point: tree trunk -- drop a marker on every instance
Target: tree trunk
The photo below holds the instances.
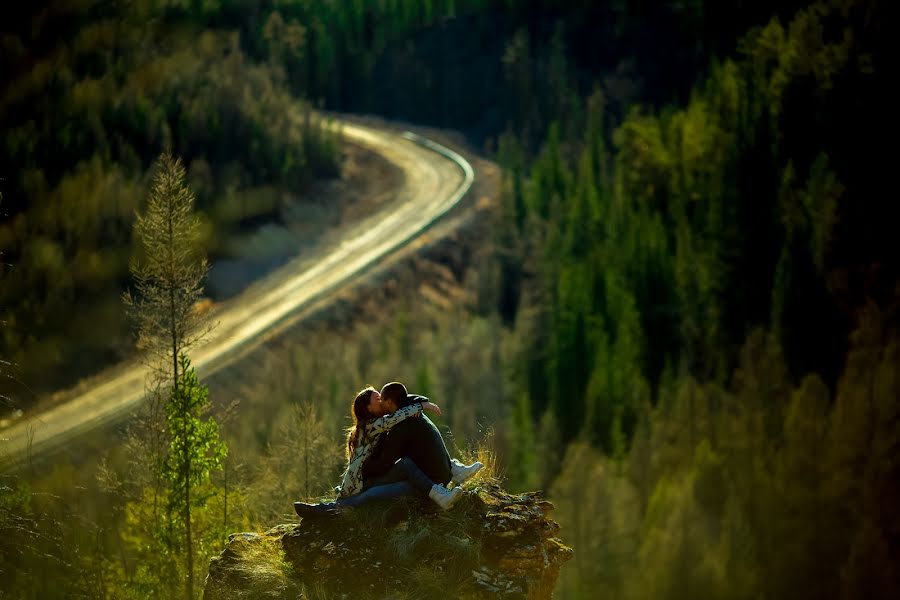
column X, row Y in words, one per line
column 189, row 586
column 189, row 546
column 173, row 327
column 225, row 485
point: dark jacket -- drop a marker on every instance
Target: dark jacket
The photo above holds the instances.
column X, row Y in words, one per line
column 420, row 440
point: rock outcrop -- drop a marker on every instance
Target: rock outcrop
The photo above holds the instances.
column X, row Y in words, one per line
column 491, row 544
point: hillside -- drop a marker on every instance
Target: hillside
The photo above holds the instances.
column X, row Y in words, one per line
column 677, row 314
column 93, row 93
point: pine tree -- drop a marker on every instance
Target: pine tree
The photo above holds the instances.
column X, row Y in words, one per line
column 168, row 276
column 169, row 273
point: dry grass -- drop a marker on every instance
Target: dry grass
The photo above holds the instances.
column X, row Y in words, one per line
column 484, row 452
column 263, row 567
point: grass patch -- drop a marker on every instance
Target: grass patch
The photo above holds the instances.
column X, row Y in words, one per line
column 262, row 568
column 483, row 451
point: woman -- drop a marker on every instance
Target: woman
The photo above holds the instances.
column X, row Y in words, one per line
column 369, row 423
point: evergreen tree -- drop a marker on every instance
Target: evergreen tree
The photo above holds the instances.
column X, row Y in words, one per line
column 173, row 451
column 195, row 451
column 168, row 273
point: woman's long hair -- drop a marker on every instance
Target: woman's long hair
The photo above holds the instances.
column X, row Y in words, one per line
column 360, row 413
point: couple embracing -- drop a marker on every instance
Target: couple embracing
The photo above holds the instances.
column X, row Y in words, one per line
column 393, row 451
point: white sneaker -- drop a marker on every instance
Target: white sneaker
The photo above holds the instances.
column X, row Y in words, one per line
column 461, row 473
column 443, row 497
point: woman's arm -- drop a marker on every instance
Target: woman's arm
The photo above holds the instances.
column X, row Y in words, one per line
column 382, row 424
column 352, row 479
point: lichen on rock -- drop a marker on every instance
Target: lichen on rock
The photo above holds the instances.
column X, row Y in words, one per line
column 491, row 544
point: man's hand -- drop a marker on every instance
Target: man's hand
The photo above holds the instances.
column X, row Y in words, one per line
column 432, row 407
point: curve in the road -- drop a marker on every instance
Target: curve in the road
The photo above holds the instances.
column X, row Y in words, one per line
column 432, row 186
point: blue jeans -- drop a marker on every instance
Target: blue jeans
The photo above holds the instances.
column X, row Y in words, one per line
column 403, row 480
column 389, row 491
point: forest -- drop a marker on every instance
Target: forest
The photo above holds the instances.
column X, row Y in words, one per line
column 92, row 93
column 683, row 328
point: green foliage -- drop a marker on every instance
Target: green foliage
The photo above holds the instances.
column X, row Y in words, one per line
column 195, row 449
column 18, row 529
column 669, row 356
column 715, row 479
column 169, row 514
column 155, row 566
column 294, row 443
column 195, row 452
column 265, row 572
column 48, row 547
column 693, row 232
column 730, row 214
column 523, row 462
column 96, row 92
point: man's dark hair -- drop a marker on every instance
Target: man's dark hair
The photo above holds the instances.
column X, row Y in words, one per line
column 396, row 392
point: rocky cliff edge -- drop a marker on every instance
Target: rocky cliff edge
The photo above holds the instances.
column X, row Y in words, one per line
column 491, row 544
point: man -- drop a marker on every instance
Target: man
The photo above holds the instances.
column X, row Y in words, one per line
column 419, row 439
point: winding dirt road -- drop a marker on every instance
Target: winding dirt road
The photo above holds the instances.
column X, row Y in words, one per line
column 435, row 179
